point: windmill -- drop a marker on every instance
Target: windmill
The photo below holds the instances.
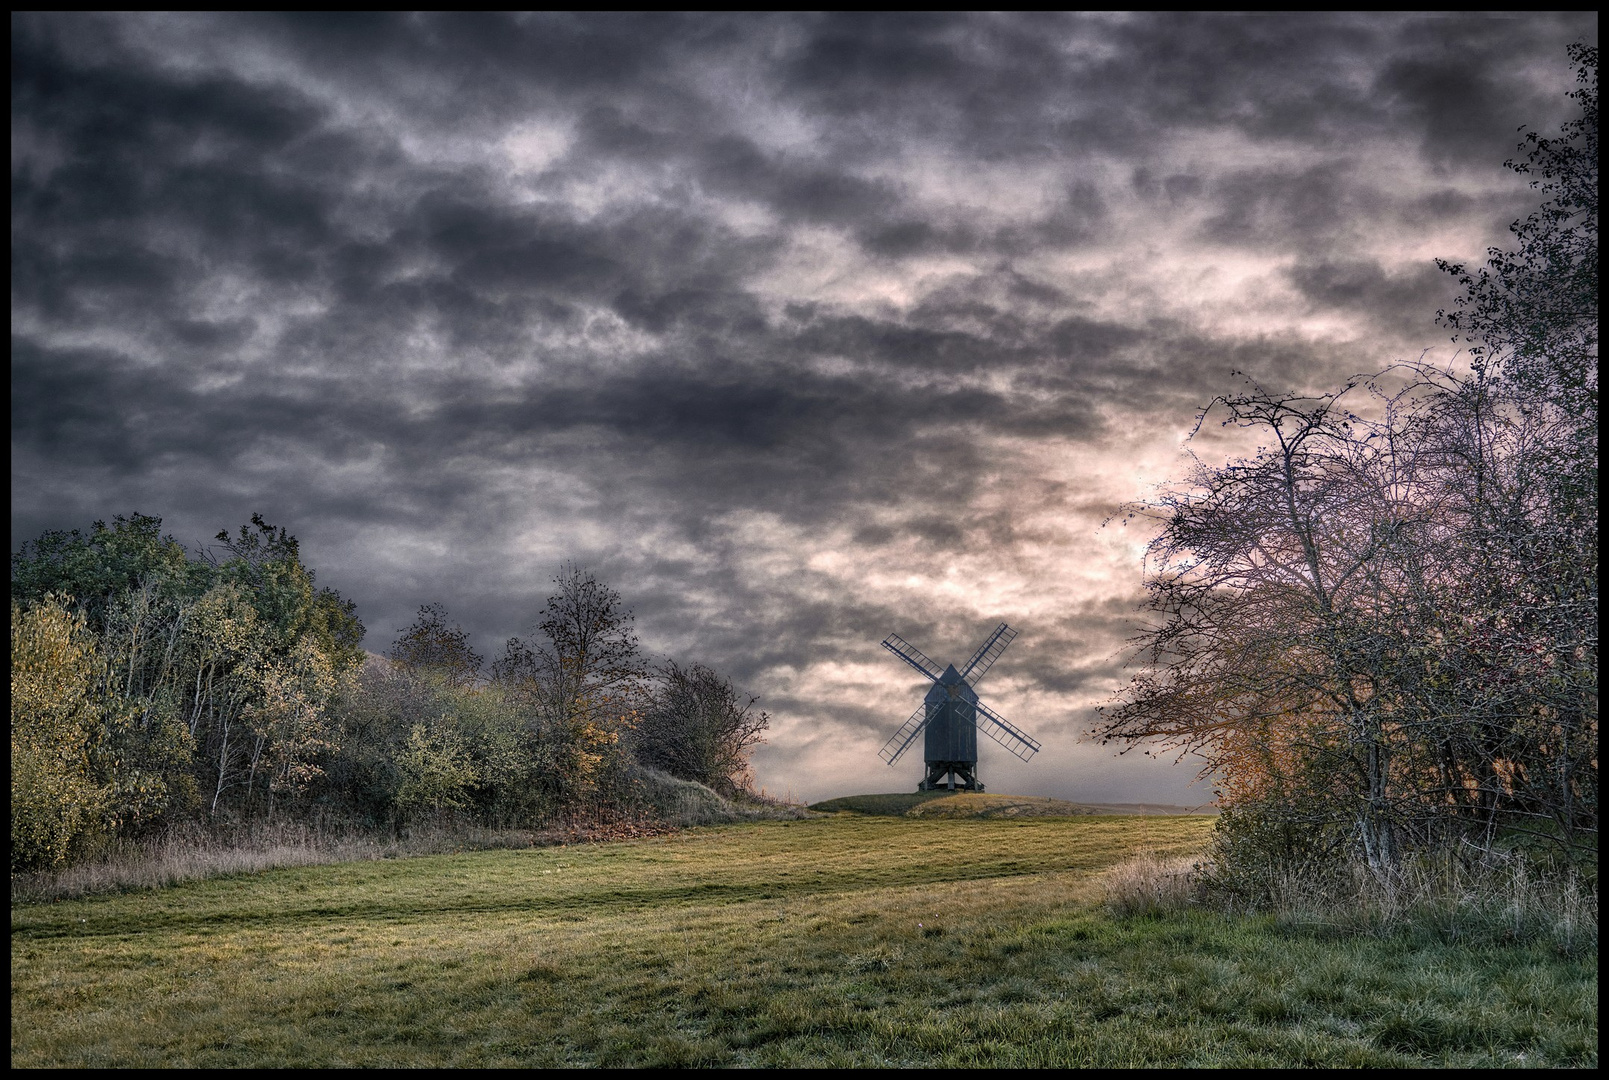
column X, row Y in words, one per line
column 952, row 715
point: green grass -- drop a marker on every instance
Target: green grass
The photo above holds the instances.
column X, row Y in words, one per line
column 844, row 940
column 976, row 804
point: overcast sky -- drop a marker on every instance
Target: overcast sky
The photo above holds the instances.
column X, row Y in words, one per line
column 796, row 330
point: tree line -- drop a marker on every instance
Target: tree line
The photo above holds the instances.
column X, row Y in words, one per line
column 1380, row 630
column 152, row 685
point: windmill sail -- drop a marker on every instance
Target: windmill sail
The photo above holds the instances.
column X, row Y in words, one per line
column 1018, row 742
column 912, row 656
column 987, row 654
column 904, row 736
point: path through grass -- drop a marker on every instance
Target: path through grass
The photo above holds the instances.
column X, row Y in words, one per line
column 842, row 941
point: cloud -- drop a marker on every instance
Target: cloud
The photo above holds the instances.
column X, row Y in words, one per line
column 798, row 328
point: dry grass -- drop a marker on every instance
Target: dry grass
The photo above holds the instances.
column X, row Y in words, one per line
column 195, row 852
column 687, row 803
column 1151, row 883
column 1496, row 897
column 191, row 852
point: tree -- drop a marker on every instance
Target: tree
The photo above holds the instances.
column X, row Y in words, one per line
column 431, row 645
column 289, row 722
column 1383, row 632
column 581, row 685
column 696, row 726
column 1266, row 657
column 1351, row 631
column 97, row 570
column 55, row 717
column 267, row 563
column 213, row 667
column 437, row 771
column 1532, row 312
column 1531, row 318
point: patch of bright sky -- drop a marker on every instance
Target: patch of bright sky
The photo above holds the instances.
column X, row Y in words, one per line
column 937, row 181
column 970, row 589
column 824, row 265
column 536, row 144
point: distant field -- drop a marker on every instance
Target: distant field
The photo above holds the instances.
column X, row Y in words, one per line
column 842, row 940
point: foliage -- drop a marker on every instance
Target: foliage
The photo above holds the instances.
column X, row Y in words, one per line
column 579, row 688
column 101, row 569
column 552, row 735
column 229, row 686
column 1358, row 634
column 1380, row 630
column 289, row 721
column 55, row 716
column 216, row 670
column 697, row 727
column 268, row 565
column 430, row 644
column 1534, row 311
column 436, row 770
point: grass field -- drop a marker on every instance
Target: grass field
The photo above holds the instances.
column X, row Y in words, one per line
column 852, row 939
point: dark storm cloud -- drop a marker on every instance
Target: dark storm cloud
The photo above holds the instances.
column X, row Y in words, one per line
column 1366, row 287
column 1274, row 207
column 789, row 324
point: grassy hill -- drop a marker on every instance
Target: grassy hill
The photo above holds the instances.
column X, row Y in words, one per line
column 984, row 805
column 842, row 940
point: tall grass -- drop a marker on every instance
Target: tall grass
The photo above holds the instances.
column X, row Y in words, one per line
column 193, row 852
column 1152, row 884
column 687, row 803
column 1497, row 897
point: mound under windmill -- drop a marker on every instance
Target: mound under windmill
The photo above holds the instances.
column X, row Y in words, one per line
column 952, row 715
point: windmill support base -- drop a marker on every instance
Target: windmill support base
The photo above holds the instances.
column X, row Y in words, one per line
column 951, row 776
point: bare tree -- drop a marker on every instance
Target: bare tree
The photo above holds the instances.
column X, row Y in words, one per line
column 698, row 727
column 1385, row 629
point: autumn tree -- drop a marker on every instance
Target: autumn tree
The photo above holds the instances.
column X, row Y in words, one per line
column 215, row 668
column 1530, row 503
column 1269, row 636
column 55, row 719
column 1349, row 629
column 580, row 682
column 1380, row 629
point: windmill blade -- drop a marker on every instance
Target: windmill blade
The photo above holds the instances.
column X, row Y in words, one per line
column 912, row 656
column 1018, row 742
column 906, row 735
column 987, row 654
